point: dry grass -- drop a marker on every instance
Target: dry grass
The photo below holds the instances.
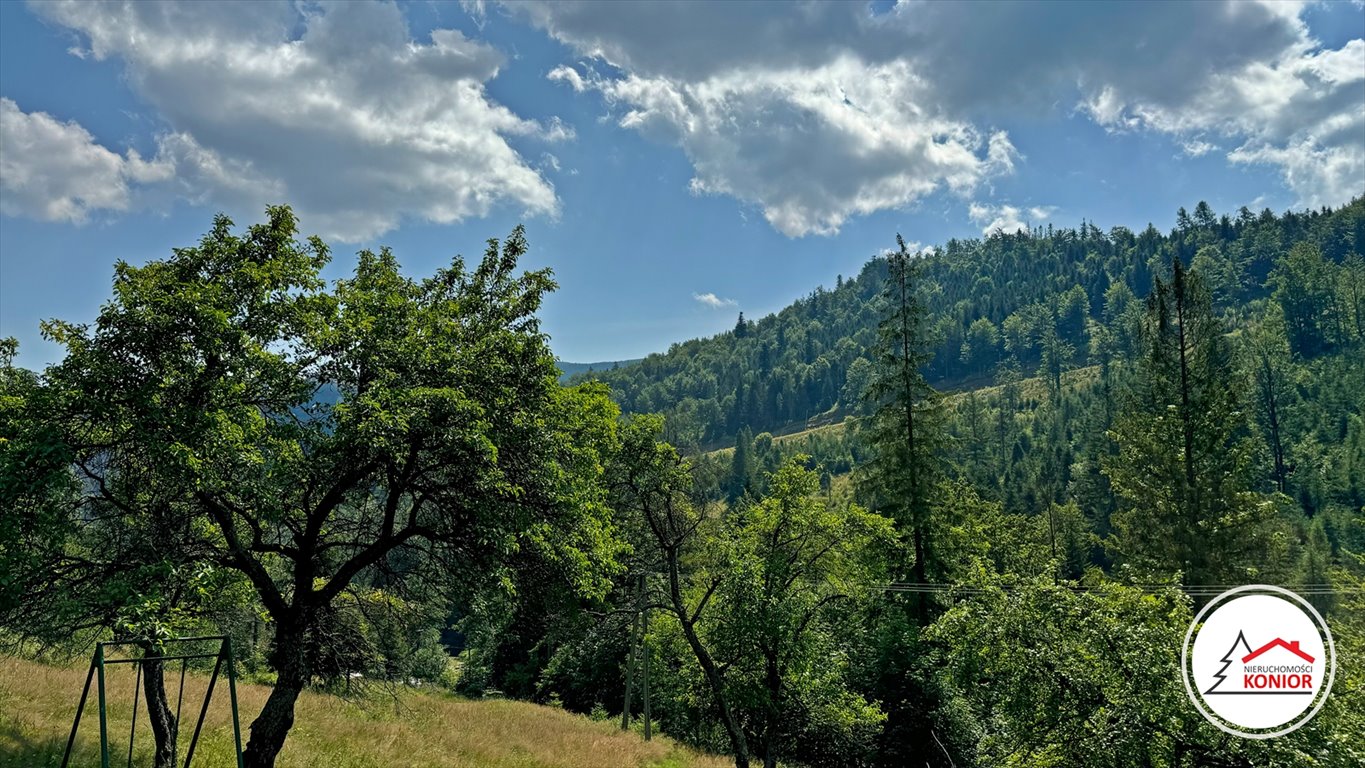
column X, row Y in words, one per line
column 37, row 702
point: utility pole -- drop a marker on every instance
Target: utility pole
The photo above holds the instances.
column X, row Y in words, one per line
column 636, row 628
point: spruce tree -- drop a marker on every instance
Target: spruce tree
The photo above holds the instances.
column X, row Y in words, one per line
column 903, row 432
column 1183, row 472
column 903, row 436
column 1270, row 366
column 741, row 465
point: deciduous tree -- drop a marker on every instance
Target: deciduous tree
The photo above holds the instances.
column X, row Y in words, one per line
column 317, row 437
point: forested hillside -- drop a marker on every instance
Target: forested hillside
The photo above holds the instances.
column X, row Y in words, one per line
column 1034, row 299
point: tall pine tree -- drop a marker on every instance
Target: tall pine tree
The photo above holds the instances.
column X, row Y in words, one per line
column 903, row 429
column 902, row 433
column 1184, row 468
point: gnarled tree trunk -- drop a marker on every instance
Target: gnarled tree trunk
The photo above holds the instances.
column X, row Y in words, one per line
column 158, row 708
column 270, row 728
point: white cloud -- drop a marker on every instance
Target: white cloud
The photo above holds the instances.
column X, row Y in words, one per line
column 824, row 111
column 1197, row 147
column 56, row 171
column 714, row 301
column 913, row 247
column 813, row 114
column 477, row 9
column 1299, row 107
column 1007, row 218
column 1322, row 175
column 811, row 147
column 568, row 75
column 333, row 108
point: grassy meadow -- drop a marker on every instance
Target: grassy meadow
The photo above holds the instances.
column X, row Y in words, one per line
column 37, row 702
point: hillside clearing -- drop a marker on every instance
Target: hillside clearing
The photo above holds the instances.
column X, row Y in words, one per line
column 37, row 702
column 1032, row 388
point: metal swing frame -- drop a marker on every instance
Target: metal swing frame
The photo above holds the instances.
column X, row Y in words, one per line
column 98, row 662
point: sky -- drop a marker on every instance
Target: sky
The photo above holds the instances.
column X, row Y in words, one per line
column 675, row 163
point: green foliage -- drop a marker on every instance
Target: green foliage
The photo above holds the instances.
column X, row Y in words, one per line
column 1059, row 677
column 741, row 465
column 766, row 597
column 791, row 562
column 1184, row 465
column 1197, row 445
column 36, row 488
column 1304, row 284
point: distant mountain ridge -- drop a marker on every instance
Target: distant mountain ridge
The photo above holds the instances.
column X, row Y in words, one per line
column 568, row 369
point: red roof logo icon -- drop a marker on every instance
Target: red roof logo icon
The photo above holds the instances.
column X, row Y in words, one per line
column 1278, row 643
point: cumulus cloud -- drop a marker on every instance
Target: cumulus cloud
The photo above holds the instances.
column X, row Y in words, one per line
column 811, row 112
column 1007, row 218
column 333, row 108
column 1300, row 109
column 810, row 146
column 823, row 111
column 56, row 171
column 714, row 301
column 799, row 112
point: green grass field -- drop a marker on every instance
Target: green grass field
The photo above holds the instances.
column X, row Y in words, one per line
column 37, row 702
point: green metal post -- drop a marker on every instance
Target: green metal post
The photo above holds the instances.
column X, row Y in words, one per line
column 132, row 730
column 232, row 693
column 85, row 692
column 199, row 726
column 104, row 718
column 179, row 699
column 98, row 663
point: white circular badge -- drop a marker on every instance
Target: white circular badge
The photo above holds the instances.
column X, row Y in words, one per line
column 1258, row 661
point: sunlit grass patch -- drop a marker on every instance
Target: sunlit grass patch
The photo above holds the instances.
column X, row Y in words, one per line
column 37, row 702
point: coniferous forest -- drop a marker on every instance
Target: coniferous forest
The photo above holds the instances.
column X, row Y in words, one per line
column 957, row 510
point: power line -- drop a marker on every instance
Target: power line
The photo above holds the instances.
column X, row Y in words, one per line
column 1203, row 590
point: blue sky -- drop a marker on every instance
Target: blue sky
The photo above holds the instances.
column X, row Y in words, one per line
column 675, row 163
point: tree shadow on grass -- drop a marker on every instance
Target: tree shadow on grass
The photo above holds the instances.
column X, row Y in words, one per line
column 21, row 750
